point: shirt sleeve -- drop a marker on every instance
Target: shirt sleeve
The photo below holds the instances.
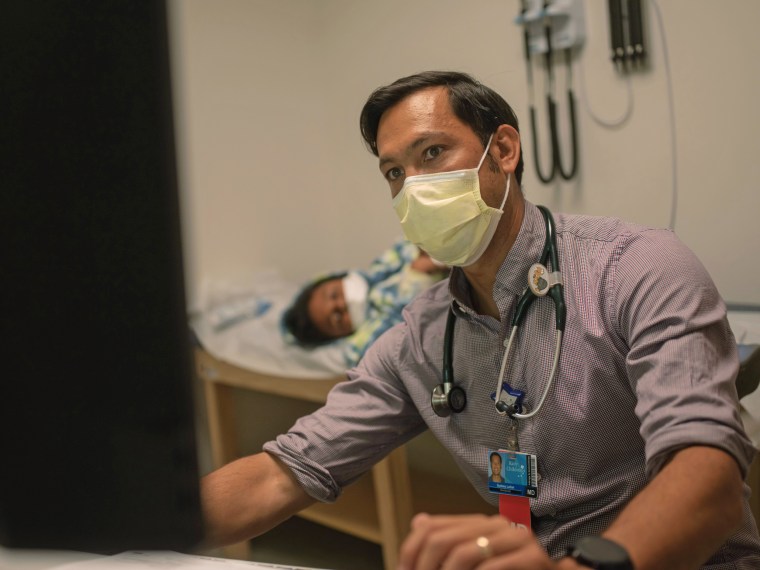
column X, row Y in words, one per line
column 363, row 420
column 682, row 360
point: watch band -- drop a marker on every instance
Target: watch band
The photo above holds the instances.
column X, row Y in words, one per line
column 600, row 553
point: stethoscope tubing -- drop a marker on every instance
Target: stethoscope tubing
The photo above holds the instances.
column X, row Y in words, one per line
column 441, row 398
column 557, row 351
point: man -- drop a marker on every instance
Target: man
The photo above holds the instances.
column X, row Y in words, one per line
column 496, row 468
column 638, row 439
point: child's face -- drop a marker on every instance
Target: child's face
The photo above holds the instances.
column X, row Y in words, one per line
column 328, row 310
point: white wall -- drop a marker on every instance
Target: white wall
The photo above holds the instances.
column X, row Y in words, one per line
column 274, row 172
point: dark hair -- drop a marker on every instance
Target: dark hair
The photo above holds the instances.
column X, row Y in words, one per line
column 297, row 320
column 497, row 454
column 473, row 103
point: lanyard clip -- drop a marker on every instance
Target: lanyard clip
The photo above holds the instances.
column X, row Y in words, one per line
column 509, row 400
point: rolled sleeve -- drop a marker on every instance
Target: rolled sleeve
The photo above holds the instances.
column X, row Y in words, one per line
column 363, row 420
column 682, row 360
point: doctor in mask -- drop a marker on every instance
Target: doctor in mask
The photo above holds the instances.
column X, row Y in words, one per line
column 636, row 456
column 450, row 195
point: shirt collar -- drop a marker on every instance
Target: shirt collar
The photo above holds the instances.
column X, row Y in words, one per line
column 512, row 276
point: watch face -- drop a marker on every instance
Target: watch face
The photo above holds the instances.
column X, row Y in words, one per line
column 600, row 553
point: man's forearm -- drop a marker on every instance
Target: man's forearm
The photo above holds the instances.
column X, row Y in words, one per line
column 685, row 513
column 248, row 497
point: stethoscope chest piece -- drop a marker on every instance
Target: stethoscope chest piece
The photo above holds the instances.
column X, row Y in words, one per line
column 448, row 398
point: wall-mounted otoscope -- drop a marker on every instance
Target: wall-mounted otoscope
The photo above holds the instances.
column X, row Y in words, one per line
column 550, row 25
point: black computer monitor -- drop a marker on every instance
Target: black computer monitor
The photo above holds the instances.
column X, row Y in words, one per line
column 97, row 440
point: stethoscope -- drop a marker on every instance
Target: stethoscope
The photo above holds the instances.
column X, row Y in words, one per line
column 448, row 398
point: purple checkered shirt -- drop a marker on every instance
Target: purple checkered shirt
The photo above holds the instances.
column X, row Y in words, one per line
column 647, row 367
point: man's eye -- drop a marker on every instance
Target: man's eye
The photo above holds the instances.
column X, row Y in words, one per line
column 432, row 152
column 394, row 174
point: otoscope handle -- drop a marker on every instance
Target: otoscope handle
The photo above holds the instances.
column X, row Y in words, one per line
column 616, row 31
column 545, row 179
column 573, row 141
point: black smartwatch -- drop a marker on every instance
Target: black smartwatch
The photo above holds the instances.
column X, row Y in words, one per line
column 600, row 553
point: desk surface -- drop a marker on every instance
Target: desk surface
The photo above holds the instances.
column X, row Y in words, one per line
column 12, row 559
column 50, row 560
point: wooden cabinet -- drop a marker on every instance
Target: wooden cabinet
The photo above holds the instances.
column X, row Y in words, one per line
column 377, row 508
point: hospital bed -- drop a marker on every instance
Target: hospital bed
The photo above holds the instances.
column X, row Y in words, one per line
column 242, row 352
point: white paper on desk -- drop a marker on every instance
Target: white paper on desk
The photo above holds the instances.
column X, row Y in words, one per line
column 144, row 560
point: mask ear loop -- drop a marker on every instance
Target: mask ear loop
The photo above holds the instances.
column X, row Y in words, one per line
column 509, row 175
column 506, row 192
column 485, row 152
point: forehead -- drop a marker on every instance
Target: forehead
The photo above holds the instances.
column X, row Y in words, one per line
column 325, row 286
column 319, row 305
column 422, row 113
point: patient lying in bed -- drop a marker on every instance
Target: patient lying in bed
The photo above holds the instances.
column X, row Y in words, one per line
column 249, row 323
column 360, row 305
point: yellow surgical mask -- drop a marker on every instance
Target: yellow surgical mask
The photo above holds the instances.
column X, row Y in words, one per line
column 445, row 215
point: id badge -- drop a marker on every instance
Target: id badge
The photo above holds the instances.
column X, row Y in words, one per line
column 512, row 473
column 514, row 477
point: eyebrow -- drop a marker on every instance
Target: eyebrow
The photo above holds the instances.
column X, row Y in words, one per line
column 418, row 142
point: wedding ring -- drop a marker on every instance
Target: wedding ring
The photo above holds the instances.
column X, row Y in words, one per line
column 484, row 546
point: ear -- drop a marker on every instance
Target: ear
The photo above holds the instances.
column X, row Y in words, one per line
column 506, row 148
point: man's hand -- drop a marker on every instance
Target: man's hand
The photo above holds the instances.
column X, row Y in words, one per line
column 452, row 543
